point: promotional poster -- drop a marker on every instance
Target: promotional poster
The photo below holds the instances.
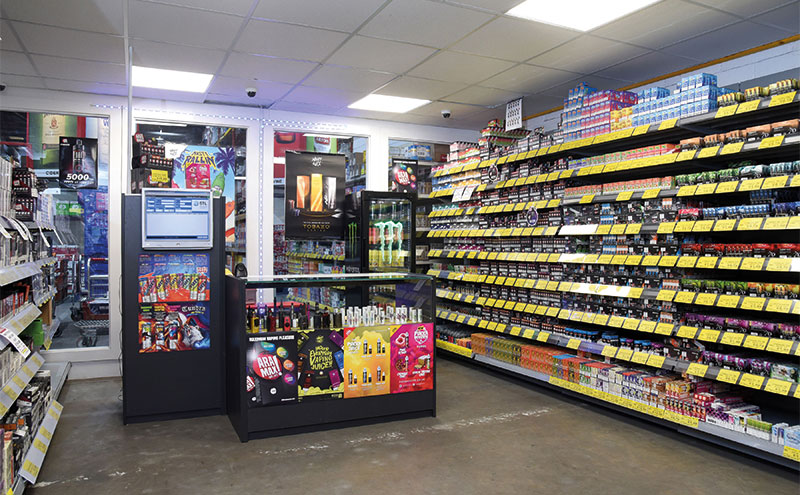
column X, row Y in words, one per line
column 404, row 175
column 412, row 357
column 174, row 277
column 366, row 361
column 207, row 167
column 166, row 327
column 314, row 195
column 77, row 163
column 272, row 369
column 320, row 360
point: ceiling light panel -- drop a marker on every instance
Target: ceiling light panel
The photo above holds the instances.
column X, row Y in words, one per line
column 173, row 80
column 582, row 15
column 385, row 103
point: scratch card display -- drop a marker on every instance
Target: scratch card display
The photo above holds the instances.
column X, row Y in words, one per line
column 412, row 357
column 320, row 363
column 366, row 361
column 165, row 327
column 173, row 278
column 272, row 369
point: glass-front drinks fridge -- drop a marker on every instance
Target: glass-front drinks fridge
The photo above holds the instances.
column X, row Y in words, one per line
column 380, row 232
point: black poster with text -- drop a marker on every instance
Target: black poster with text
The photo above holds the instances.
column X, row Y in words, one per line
column 314, row 195
column 272, row 369
column 77, row 163
column 404, row 175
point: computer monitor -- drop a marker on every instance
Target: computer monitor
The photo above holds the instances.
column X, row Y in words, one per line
column 177, row 219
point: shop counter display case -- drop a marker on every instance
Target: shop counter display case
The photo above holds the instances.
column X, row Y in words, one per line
column 295, row 366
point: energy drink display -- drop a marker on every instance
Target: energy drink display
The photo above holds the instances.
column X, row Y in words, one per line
column 366, row 361
column 272, row 369
column 411, row 357
column 170, row 327
column 320, row 364
column 389, row 228
column 173, row 308
column 314, row 195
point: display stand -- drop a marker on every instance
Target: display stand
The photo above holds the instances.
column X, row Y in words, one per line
column 299, row 414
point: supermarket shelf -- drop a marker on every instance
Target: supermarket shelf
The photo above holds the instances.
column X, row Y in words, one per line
column 19, row 320
column 684, row 424
column 772, row 385
column 315, row 256
column 34, row 458
column 423, row 229
column 455, row 349
column 741, row 340
column 59, row 371
column 43, row 298
column 17, row 383
column 49, row 332
column 776, row 264
column 11, row 274
column 308, row 301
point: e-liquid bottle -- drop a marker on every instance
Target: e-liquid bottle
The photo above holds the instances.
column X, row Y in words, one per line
column 78, row 154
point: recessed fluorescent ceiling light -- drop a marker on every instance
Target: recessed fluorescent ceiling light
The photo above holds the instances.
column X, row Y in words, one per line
column 383, row 103
column 582, row 15
column 175, row 80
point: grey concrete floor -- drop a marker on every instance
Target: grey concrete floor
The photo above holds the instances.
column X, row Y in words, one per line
column 491, row 436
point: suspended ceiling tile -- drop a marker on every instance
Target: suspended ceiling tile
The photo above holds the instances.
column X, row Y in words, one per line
column 424, row 22
column 333, row 98
column 368, row 114
column 513, row 39
column 87, row 87
column 415, row 87
column 539, row 103
column 787, row 18
column 15, row 63
column 457, row 110
column 161, row 94
column 291, row 106
column 176, row 57
column 478, row 120
column 348, row 79
column 238, row 100
column 100, row 16
column 8, row 41
column 664, row 23
column 378, row 54
column 265, row 90
column 48, row 40
column 587, row 54
column 342, row 15
column 266, row 68
column 237, row 7
column 21, row 81
column 527, row 78
column 561, row 90
column 459, row 67
column 157, row 22
column 284, row 40
column 744, row 8
column 477, row 95
column 647, row 66
column 79, row 70
column 495, row 6
column 725, row 41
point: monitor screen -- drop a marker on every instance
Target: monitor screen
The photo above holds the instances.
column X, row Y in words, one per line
column 176, row 219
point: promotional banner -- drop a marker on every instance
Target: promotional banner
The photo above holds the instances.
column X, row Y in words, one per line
column 320, row 360
column 404, row 175
column 167, row 327
column 272, row 369
column 366, row 361
column 412, row 357
column 207, row 167
column 314, row 195
column 77, row 163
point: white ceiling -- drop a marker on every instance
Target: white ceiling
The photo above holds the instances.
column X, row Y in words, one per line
column 321, row 55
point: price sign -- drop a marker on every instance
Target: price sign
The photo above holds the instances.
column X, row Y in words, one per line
column 647, row 326
column 726, row 301
column 756, row 342
column 791, row 452
column 732, row 148
column 776, row 223
column 780, row 346
column 666, row 228
column 708, row 152
column 697, row 369
column 703, row 226
column 542, row 336
column 726, row 111
column 600, row 319
column 750, row 185
column 650, row 260
column 609, row 351
column 668, row 261
column 727, row 187
column 633, row 260
column 730, row 338
column 651, row 193
column 573, row 343
column 665, row 295
column 752, row 264
column 684, row 297
column 625, row 196
column 779, row 305
column 777, row 386
column 750, row 223
column 685, row 155
column 753, row 303
column 625, row 354
column 724, row 225
column 748, row 106
column 630, row 324
column 655, row 361
column 640, row 357
column 729, row 263
column 641, row 129
column 775, row 182
column 708, row 335
column 706, row 189
column 687, row 191
column 633, row 228
column 667, row 124
column 616, row 321
column 528, row 333
column 686, row 332
column 618, row 229
column 782, row 99
column 603, row 230
column 771, row 142
column 751, row 381
column 687, row 261
column 728, row 376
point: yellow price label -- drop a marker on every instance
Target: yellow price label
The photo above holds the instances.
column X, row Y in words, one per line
column 542, row 336
column 728, row 376
column 750, row 185
column 600, row 319
column 756, row 342
column 686, row 332
column 655, row 361
column 708, row 152
column 706, row 189
column 751, row 381
column 750, row 223
column 625, row 196
column 724, row 225
column 703, row 226
column 640, row 129
column 667, row 124
column 552, row 311
column 630, row 324
column 755, row 264
column 650, row 260
column 791, row 452
column 603, row 230
column 668, row 261
column 777, row 386
column 731, row 338
column 780, row 346
column 771, row 142
column 753, row 303
column 31, row 468
column 697, row 369
column 782, row 99
column 640, row 357
column 727, row 187
column 729, row 263
column 775, row 182
column 18, row 382
column 609, row 351
column 528, row 333
column 665, row 295
column 616, row 321
column 684, row 226
column 633, row 259
column 731, row 148
column 686, row 261
column 625, row 354
column 687, row 191
column 684, row 297
column 618, row 229
column 573, row 343
column 685, row 155
column 726, row 301
column 708, row 335
column 666, row 228
column 776, row 223
column 779, row 305
column 748, row 106
column 725, row 111
column 664, row 329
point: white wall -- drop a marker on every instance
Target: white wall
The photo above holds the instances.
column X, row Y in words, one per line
column 260, row 124
column 772, row 61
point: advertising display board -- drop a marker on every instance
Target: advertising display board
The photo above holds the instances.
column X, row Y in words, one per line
column 314, row 195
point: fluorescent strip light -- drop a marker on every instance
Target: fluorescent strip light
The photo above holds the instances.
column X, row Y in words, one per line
column 174, row 80
column 383, row 103
column 582, row 15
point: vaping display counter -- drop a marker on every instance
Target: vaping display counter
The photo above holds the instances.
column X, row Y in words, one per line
column 293, row 368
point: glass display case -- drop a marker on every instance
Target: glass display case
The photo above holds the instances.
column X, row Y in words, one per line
column 293, row 366
column 380, row 232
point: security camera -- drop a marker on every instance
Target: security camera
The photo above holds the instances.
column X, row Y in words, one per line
column 446, row 114
column 2, row 87
column 251, row 92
